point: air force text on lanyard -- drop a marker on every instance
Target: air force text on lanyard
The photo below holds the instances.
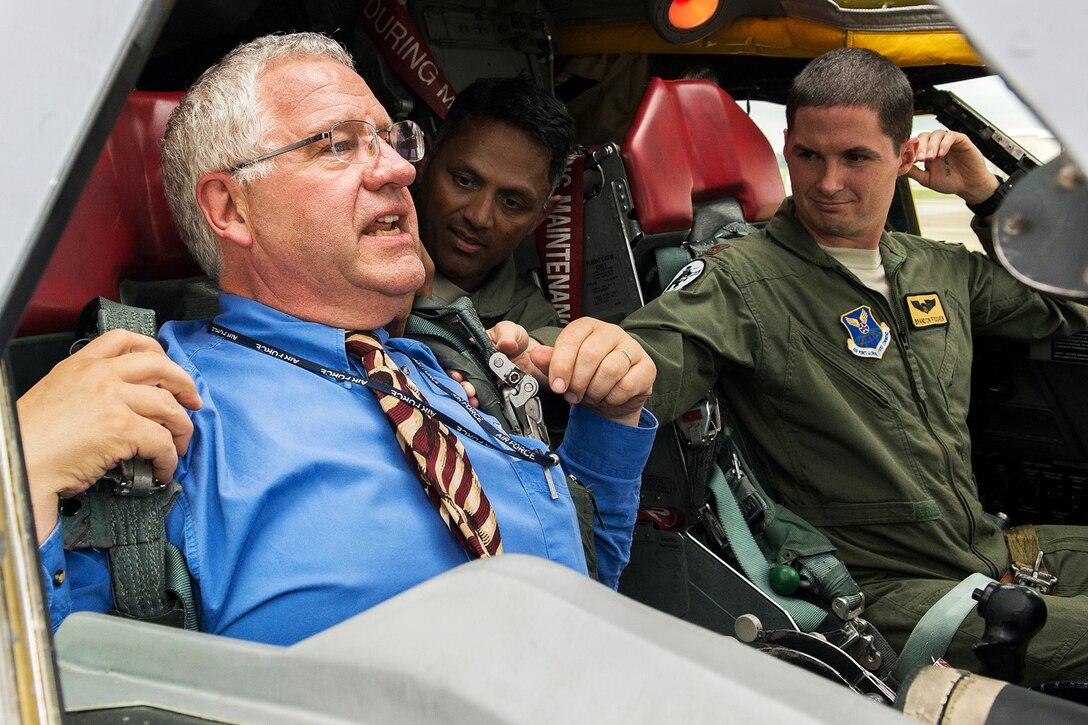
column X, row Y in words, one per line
column 544, row 458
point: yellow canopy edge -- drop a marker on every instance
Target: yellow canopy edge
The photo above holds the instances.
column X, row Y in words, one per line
column 776, row 37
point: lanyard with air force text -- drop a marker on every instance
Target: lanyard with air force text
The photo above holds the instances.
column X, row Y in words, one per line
column 544, row 458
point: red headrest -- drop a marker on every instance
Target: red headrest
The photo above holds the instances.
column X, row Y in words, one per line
column 121, row 226
column 691, row 142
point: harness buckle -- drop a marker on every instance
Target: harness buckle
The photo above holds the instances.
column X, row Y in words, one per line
column 858, row 640
column 700, row 425
column 1029, row 576
column 713, row 525
column 134, row 477
column 524, row 386
column 752, row 505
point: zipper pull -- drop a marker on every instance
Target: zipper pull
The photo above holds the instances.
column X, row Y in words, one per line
column 551, row 482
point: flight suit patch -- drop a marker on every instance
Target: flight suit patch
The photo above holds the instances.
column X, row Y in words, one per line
column 868, row 338
column 691, row 272
column 926, row 310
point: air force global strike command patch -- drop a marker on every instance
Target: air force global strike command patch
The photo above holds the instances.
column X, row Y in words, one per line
column 691, row 272
column 868, row 338
column 926, row 310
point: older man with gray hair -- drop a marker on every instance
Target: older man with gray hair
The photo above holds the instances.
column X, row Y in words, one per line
column 332, row 465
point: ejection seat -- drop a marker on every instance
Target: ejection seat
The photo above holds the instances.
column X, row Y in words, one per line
column 691, row 162
column 120, row 230
column 693, row 165
column 695, row 161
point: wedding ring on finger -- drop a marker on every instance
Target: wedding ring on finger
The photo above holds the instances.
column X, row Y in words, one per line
column 630, row 360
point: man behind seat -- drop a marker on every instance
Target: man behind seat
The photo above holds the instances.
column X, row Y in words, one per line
column 485, row 186
column 845, row 354
column 299, row 508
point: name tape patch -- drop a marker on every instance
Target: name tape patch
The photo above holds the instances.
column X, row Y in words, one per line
column 926, row 310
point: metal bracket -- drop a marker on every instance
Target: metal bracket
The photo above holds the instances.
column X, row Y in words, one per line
column 525, row 386
column 857, row 642
column 713, row 525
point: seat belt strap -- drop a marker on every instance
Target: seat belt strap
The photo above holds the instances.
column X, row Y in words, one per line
column 179, row 582
column 125, row 513
column 1023, row 543
column 750, row 556
column 113, row 315
column 669, row 261
column 132, row 531
column 935, row 630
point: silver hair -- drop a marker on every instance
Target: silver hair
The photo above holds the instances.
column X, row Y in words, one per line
column 223, row 121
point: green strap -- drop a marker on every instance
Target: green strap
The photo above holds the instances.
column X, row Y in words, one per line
column 830, row 579
column 419, row 326
column 461, row 313
column 458, row 340
column 750, row 557
column 133, row 531
column 113, row 315
column 149, row 577
column 179, row 582
column 669, row 262
column 935, row 630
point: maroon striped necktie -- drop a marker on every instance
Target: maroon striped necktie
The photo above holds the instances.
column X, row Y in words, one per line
column 433, row 452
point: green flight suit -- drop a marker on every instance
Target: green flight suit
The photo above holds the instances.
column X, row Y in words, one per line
column 862, row 431
column 506, row 295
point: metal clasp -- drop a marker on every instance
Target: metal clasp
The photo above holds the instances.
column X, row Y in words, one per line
column 134, row 477
column 857, row 642
column 700, row 425
column 1028, row 576
column 519, row 398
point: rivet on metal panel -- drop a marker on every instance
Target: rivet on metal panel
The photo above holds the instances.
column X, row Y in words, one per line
column 1016, row 225
column 1070, row 177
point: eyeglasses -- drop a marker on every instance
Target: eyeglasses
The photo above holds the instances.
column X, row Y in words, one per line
column 358, row 142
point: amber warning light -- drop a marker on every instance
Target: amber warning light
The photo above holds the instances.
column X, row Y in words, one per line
column 690, row 14
column 686, row 21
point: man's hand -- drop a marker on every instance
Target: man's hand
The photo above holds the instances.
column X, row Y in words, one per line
column 952, row 165
column 512, row 340
column 117, row 398
column 600, row 366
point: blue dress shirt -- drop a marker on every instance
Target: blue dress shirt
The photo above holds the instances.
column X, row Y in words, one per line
column 298, row 509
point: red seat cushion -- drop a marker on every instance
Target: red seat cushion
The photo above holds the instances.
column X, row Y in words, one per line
column 121, row 226
column 690, row 142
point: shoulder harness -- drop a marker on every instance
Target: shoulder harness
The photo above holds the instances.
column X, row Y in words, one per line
column 125, row 512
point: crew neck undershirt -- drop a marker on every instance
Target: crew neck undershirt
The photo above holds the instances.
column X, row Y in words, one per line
column 866, row 266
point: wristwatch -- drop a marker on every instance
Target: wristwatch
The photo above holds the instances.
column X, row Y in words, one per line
column 988, row 206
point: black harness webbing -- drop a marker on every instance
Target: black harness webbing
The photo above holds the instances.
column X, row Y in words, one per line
column 125, row 513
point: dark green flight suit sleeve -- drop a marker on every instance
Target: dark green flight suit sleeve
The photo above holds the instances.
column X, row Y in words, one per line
column 693, row 334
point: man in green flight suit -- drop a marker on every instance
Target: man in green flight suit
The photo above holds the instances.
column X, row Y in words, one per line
column 490, row 181
column 844, row 352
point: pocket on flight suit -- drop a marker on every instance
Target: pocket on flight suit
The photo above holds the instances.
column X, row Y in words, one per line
column 833, row 404
column 1066, row 555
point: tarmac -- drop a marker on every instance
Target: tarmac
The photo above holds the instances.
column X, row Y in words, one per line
column 946, row 220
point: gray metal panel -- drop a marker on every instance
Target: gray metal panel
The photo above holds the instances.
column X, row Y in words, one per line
column 1040, row 51
column 516, row 639
column 65, row 68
